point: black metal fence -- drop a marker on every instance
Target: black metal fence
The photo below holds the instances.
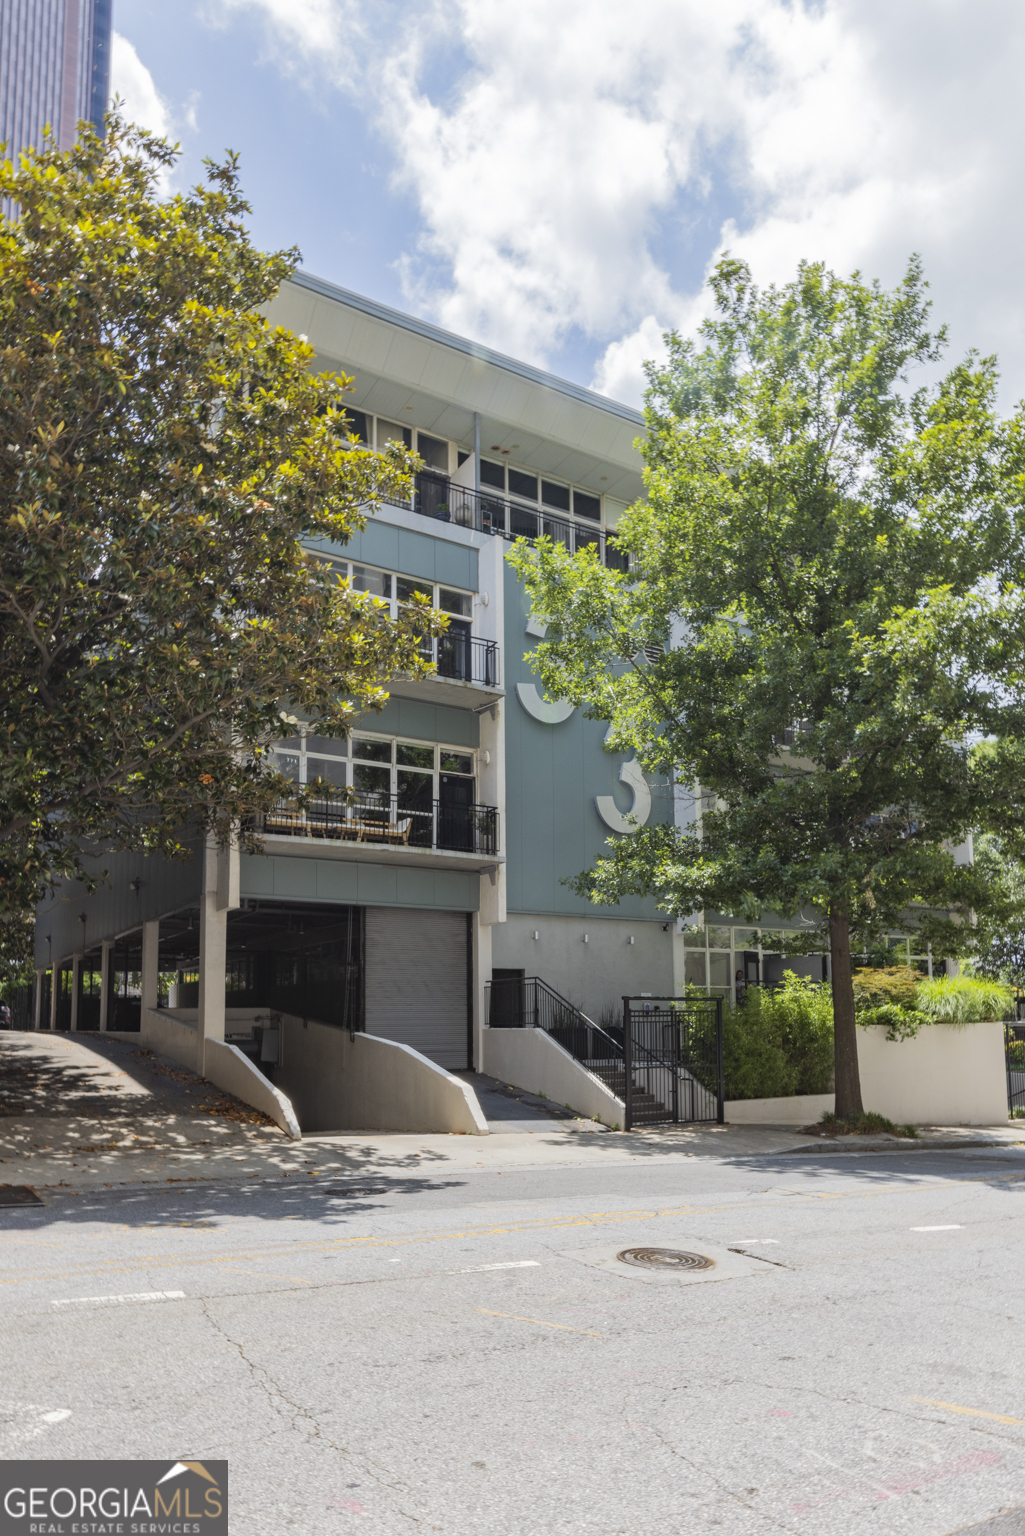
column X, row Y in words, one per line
column 1014, row 1055
column 21, row 1006
column 491, row 512
column 388, row 820
column 673, row 1061
column 468, row 659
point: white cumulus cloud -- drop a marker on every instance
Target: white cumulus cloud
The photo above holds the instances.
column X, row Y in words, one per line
column 576, row 166
column 132, row 81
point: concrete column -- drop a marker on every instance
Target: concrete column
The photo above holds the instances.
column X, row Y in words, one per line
column 105, row 949
column 481, row 974
column 37, row 1002
column 150, row 964
column 213, row 946
column 76, row 982
column 54, row 978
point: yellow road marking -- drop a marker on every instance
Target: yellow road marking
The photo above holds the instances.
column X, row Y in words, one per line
column 537, row 1224
column 517, row 1319
column 975, row 1413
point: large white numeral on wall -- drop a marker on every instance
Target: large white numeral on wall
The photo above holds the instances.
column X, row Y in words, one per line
column 636, row 817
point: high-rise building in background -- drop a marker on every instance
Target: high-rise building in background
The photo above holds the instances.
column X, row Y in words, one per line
column 54, row 68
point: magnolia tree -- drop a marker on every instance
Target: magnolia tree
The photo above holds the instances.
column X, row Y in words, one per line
column 831, row 562
column 167, row 459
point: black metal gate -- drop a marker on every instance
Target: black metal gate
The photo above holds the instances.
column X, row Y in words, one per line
column 672, row 1060
column 1014, row 1047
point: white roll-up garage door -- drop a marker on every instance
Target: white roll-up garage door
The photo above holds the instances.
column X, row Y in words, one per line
column 416, row 981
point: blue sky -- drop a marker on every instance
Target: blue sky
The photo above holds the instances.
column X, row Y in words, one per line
column 555, row 178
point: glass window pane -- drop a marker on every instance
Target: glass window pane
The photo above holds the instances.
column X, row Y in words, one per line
column 415, row 789
column 718, row 938
column 523, row 485
column 327, row 746
column 492, row 474
column 371, row 781
column 433, row 451
column 377, row 583
column 694, row 939
column 455, row 762
column 326, row 768
column 414, row 757
column 460, row 603
column 770, row 941
column 408, row 589
column 288, row 744
column 719, row 972
column 745, row 938
column 694, row 970
column 555, row 495
column 587, row 506
column 392, row 432
column 371, row 751
column 356, row 423
column 286, row 763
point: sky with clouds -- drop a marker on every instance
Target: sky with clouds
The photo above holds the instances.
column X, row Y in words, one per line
column 555, row 178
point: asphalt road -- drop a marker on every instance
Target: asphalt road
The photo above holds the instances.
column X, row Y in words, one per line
column 463, row 1352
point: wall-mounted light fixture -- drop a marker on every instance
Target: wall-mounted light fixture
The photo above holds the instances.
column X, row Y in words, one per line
column 535, row 934
column 631, row 940
column 587, row 938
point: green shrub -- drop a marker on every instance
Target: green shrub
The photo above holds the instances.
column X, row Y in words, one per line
column 892, row 984
column 964, row 999
column 779, row 1043
column 900, row 1023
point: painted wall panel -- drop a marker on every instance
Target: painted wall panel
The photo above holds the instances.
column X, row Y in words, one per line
column 302, row 879
column 426, row 722
column 553, row 775
column 164, row 886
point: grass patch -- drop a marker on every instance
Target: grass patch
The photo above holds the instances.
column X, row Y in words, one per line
column 868, row 1124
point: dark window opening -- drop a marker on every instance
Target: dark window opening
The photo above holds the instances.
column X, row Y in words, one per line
column 523, row 485
column 587, row 506
column 433, row 451
column 555, row 495
column 356, row 423
column 492, row 474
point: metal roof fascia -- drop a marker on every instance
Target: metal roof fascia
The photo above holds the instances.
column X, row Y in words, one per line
column 326, row 290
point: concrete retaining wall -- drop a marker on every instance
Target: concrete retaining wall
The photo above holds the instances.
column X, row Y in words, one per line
column 531, row 1059
column 800, row 1110
column 338, row 1083
column 944, row 1076
column 226, row 1067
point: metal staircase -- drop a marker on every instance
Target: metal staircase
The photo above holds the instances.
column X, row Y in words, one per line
column 530, row 1003
column 664, row 1063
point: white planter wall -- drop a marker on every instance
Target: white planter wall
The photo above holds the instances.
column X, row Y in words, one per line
column 944, row 1076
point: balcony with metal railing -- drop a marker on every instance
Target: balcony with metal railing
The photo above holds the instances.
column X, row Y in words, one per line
column 380, row 828
column 493, row 512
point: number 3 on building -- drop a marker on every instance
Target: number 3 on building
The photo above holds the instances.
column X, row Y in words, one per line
column 636, row 817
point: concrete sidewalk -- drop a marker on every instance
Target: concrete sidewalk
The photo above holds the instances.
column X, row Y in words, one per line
column 80, row 1113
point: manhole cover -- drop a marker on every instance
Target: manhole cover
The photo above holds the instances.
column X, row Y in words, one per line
column 18, row 1194
column 665, row 1258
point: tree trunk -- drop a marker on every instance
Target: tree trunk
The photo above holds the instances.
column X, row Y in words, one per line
column 845, row 1031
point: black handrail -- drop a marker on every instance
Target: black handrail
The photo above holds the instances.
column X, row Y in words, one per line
column 467, row 658
column 514, row 1002
column 389, row 820
column 505, row 517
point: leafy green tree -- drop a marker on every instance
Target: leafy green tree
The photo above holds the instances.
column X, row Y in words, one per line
column 830, row 561
column 167, row 458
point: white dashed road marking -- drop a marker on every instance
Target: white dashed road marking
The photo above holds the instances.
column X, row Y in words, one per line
column 119, row 1301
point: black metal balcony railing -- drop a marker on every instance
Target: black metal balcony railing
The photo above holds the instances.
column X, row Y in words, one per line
column 462, row 656
column 388, row 820
column 492, row 512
